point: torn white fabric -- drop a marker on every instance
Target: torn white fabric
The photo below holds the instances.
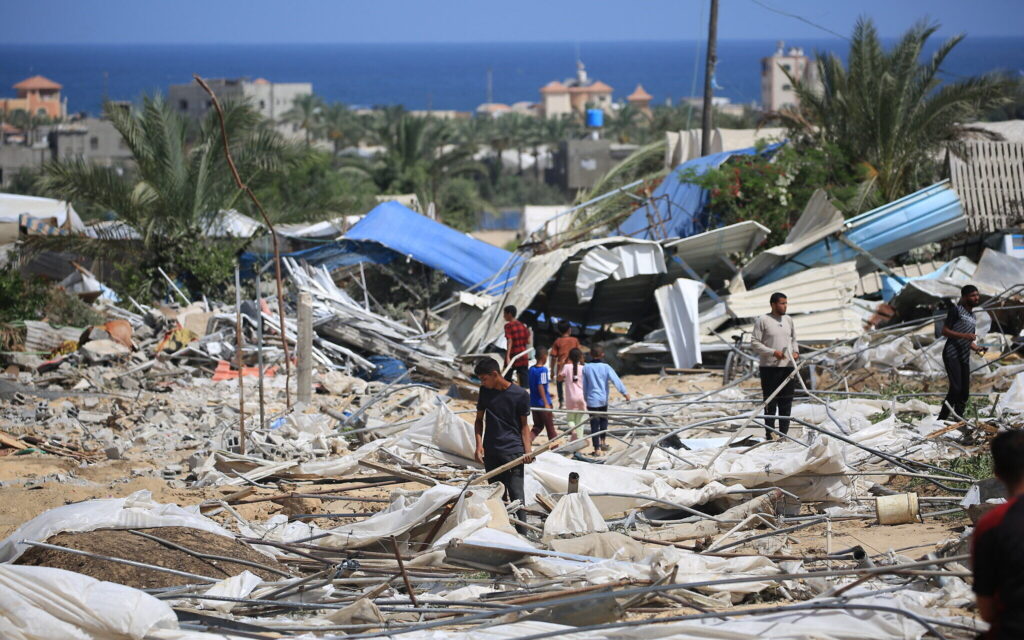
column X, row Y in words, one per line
column 238, row 586
column 1013, row 400
column 137, row 511
column 623, row 261
column 575, row 514
column 406, row 512
column 42, row 603
column 549, row 474
column 677, row 305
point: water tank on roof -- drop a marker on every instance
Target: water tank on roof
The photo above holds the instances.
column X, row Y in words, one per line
column 595, row 118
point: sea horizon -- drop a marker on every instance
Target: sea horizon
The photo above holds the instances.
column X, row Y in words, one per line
column 440, row 75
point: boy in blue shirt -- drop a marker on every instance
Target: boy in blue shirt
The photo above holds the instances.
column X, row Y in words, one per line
column 597, row 375
column 540, row 397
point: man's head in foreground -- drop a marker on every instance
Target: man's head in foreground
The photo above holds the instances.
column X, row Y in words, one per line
column 510, row 313
column 1008, row 460
column 779, row 303
column 489, row 373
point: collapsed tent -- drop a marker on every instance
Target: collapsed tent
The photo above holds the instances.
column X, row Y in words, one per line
column 676, row 209
column 929, row 215
column 466, row 260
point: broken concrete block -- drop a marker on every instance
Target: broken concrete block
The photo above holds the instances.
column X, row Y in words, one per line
column 96, row 351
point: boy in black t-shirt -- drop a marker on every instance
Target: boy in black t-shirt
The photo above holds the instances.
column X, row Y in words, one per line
column 504, row 408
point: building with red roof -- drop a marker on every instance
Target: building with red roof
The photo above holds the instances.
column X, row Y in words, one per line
column 37, row 96
column 574, row 95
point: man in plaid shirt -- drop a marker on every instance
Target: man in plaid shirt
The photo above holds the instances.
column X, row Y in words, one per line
column 517, row 341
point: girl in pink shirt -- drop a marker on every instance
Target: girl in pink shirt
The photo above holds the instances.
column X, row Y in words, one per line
column 572, row 375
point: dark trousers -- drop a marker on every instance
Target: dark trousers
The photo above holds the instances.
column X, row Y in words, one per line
column 782, row 404
column 598, row 423
column 561, row 393
column 544, row 420
column 959, row 373
column 522, row 374
column 511, row 479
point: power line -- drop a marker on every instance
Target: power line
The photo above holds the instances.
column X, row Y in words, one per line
column 800, row 18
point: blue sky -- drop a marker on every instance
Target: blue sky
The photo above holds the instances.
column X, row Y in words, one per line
column 349, row 21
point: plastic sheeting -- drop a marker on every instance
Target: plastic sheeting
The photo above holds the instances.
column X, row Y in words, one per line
column 621, row 262
column 575, row 514
column 137, row 511
column 42, row 603
column 549, row 474
column 678, row 306
column 1013, row 399
column 461, row 257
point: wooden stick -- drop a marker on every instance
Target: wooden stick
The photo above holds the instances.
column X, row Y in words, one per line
column 238, row 361
column 405, row 576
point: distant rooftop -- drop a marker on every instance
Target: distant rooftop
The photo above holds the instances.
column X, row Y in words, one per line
column 37, row 83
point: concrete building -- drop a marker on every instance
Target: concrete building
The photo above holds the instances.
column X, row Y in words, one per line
column 37, row 96
column 271, row 99
column 776, row 87
column 574, row 95
column 92, row 139
column 720, row 104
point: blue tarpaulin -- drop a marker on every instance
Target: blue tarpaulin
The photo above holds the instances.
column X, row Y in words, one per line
column 676, row 209
column 392, row 231
column 461, row 257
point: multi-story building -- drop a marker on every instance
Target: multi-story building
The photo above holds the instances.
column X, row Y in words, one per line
column 575, row 95
column 776, row 72
column 271, row 99
column 37, row 96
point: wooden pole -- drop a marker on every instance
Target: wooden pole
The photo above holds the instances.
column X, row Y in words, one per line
column 238, row 361
column 709, row 72
column 304, row 379
column 259, row 343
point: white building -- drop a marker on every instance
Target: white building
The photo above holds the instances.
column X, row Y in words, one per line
column 271, row 99
column 776, row 87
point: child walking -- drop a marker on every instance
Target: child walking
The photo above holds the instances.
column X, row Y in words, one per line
column 596, row 377
column 572, row 376
column 540, row 396
column 560, row 351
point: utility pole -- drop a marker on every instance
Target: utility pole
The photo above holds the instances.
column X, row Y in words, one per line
column 709, row 71
column 490, row 85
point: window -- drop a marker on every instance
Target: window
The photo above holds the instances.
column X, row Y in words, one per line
column 209, row 103
column 183, row 105
column 263, row 104
column 787, row 87
column 94, row 143
column 787, row 67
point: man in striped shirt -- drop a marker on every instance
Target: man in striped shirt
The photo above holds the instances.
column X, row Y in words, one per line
column 959, row 331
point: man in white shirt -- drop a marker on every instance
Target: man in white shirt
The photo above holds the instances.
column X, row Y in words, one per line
column 774, row 340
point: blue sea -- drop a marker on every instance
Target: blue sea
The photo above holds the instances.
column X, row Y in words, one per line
column 437, row 76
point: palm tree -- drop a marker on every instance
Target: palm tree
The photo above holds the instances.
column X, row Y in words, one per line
column 306, row 114
column 341, row 126
column 178, row 184
column 887, row 109
column 420, row 155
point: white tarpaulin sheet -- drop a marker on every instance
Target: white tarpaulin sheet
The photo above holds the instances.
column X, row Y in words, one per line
column 42, row 603
column 677, row 304
column 137, row 511
column 575, row 514
column 621, row 262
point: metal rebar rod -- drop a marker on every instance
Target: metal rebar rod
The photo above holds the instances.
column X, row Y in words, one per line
column 208, row 556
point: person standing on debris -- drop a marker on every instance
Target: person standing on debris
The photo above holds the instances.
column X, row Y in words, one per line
column 597, row 375
column 517, row 342
column 572, row 375
column 564, row 344
column 959, row 330
column 774, row 341
column 540, row 396
column 996, row 553
column 503, row 407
